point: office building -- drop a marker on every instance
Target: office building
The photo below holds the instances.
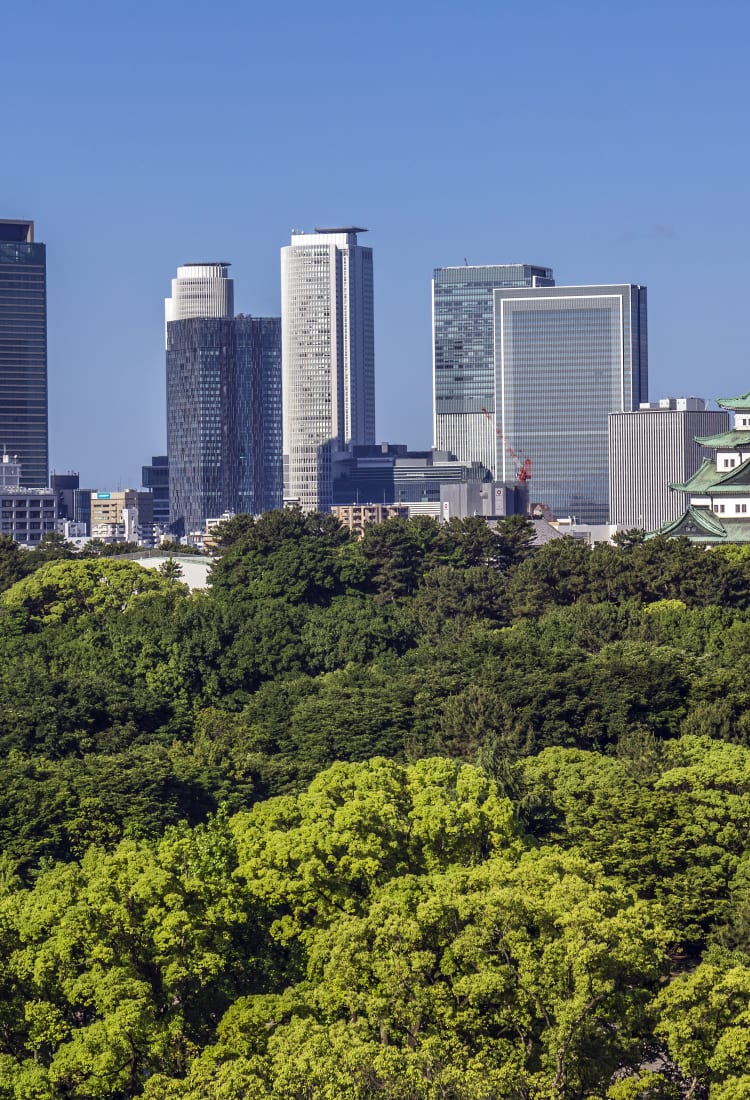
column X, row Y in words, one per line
column 223, row 405
column 156, row 478
column 26, row 514
column 126, row 515
column 388, row 473
column 565, row 358
column 463, row 360
column 23, row 349
column 328, row 357
column 64, row 486
column 649, row 450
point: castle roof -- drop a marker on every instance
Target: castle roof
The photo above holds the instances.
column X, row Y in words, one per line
column 737, row 403
column 725, row 441
column 699, row 524
column 707, row 481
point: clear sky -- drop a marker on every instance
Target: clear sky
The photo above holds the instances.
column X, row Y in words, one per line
column 608, row 141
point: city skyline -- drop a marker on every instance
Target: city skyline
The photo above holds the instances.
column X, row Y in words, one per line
column 525, row 159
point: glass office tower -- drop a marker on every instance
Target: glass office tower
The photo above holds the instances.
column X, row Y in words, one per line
column 223, row 402
column 201, row 421
column 23, row 350
column 328, row 357
column 565, row 358
column 463, row 354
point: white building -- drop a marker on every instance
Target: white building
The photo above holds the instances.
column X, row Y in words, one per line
column 200, row 290
column 328, row 357
column 26, row 514
column 651, row 449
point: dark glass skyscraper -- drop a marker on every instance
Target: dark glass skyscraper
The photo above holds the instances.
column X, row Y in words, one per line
column 463, row 342
column 23, row 350
column 565, row 358
column 223, row 413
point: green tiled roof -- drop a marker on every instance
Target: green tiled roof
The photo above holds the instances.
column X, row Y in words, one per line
column 700, row 525
column 708, row 481
column 741, row 402
column 725, row 440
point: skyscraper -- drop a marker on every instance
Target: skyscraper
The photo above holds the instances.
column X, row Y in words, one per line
column 565, row 358
column 328, row 357
column 23, row 350
column 223, row 402
column 463, row 360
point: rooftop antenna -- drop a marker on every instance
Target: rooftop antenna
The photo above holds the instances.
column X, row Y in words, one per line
column 466, row 262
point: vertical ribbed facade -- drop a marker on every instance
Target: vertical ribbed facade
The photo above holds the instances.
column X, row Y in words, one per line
column 23, row 350
column 565, row 358
column 200, row 290
column 328, row 357
column 463, row 361
column 648, row 450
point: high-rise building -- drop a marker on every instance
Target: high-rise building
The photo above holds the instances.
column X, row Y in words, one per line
column 23, row 349
column 328, row 357
column 463, row 359
column 200, row 290
column 223, row 404
column 565, row 358
column 649, row 450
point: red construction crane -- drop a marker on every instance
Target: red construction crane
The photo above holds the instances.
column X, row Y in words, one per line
column 523, row 469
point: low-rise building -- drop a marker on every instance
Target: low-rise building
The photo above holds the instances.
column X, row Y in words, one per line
column 26, row 514
column 357, row 516
column 126, row 515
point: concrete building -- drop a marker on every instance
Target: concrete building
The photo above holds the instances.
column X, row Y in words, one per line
column 328, row 357
column 223, row 403
column 649, row 450
column 126, row 515
column 463, row 354
column 565, row 358
column 23, row 350
column 488, row 499
column 26, row 514
column 357, row 516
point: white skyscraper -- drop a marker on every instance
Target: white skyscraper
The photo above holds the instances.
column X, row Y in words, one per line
column 200, row 290
column 328, row 357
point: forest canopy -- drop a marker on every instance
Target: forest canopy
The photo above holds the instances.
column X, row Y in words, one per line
column 435, row 813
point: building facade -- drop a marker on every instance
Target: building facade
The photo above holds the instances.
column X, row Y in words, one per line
column 126, row 515
column 156, row 478
column 26, row 514
column 388, row 473
column 463, row 359
column 565, row 358
column 649, row 450
column 328, row 357
column 23, row 350
column 223, row 406
column 200, row 290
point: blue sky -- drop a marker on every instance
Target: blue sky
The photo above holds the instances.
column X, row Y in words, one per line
column 609, row 142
